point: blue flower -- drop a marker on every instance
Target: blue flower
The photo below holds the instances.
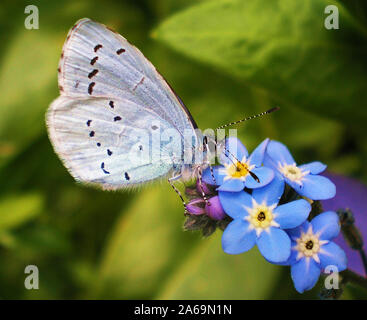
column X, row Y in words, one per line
column 258, row 219
column 304, row 179
column 313, row 250
column 238, row 170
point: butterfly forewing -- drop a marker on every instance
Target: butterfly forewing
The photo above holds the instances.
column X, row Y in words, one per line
column 97, row 62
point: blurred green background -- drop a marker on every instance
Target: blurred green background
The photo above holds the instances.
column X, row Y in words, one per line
column 226, row 59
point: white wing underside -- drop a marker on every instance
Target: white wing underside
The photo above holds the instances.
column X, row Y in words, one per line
column 97, row 148
column 109, row 93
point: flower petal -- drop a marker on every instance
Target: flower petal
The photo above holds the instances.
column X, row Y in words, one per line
column 278, row 152
column 292, row 258
column 207, row 176
column 293, row 184
column 296, row 232
column 274, row 245
column 233, row 203
column 315, row 167
column 292, row 214
column 269, row 163
column 305, row 274
column 215, row 209
column 271, row 193
column 326, row 225
column 236, row 148
column 196, row 206
column 238, row 237
column 317, row 187
column 232, row 185
column 332, row 255
column 264, row 174
column 257, row 156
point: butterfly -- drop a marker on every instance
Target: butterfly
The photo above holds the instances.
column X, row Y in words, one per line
column 112, row 102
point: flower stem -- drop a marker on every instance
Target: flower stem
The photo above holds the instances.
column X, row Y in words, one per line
column 364, row 260
column 352, row 277
column 352, row 235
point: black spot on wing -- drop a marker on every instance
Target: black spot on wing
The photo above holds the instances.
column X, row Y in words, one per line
column 92, row 73
column 109, row 152
column 90, row 87
column 97, row 47
column 103, row 169
column 127, row 177
column 154, row 127
column 117, row 118
column 111, row 104
column 93, row 61
column 98, row 144
column 91, row 134
column 89, row 122
column 140, row 147
column 121, row 50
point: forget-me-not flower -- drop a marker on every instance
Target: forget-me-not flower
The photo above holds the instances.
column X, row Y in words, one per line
column 313, row 250
column 238, row 169
column 258, row 219
column 305, row 179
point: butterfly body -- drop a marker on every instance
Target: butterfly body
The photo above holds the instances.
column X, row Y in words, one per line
column 117, row 123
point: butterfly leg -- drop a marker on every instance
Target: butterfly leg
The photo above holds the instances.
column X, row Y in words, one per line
column 212, row 174
column 170, row 180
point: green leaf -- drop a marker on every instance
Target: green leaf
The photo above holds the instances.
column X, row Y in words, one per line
column 28, row 74
column 281, row 46
column 16, row 210
column 148, row 241
column 209, row 273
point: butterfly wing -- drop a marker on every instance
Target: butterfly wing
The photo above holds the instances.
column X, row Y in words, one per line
column 103, row 78
column 109, row 146
column 101, row 63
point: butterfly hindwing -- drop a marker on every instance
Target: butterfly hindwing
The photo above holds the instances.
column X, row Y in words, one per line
column 108, row 142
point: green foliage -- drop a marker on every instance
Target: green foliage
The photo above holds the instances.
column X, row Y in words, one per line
column 281, row 46
column 231, row 58
column 19, row 209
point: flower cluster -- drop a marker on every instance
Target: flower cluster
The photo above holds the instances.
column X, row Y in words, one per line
column 265, row 199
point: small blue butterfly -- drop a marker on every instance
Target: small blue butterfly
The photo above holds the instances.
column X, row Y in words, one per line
column 110, row 97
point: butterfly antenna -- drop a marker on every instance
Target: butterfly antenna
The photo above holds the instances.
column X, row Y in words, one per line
column 249, row 118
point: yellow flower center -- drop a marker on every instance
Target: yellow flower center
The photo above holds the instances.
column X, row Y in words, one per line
column 261, row 217
column 309, row 245
column 292, row 172
column 238, row 170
